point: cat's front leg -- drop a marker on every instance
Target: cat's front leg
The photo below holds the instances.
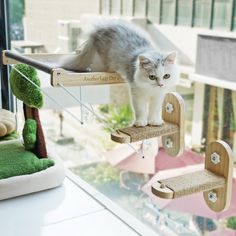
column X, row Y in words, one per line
column 140, row 109
column 155, row 110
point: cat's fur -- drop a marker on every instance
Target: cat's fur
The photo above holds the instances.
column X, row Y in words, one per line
column 127, row 50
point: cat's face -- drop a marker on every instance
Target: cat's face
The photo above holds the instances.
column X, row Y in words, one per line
column 157, row 70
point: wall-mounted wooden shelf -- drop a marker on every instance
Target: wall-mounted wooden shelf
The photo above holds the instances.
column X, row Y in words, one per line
column 172, row 132
column 48, row 64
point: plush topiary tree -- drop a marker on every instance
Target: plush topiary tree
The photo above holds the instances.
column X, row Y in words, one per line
column 32, row 99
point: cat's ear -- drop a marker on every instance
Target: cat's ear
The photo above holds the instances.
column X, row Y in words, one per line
column 144, row 62
column 170, row 58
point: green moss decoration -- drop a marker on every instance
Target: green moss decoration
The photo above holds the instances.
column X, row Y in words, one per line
column 29, row 134
column 15, row 161
column 23, row 89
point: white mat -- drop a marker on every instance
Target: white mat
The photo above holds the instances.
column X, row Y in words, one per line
column 20, row 185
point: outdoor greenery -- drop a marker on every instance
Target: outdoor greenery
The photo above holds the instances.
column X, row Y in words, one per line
column 116, row 117
column 99, row 174
column 17, row 11
column 231, row 223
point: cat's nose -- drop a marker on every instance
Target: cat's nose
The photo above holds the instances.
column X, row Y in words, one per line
column 158, row 82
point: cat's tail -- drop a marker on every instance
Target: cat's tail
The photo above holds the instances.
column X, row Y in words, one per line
column 81, row 60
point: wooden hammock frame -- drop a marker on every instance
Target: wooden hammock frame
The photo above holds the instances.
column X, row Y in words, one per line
column 47, row 63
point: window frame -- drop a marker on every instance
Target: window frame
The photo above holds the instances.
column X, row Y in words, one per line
column 6, row 94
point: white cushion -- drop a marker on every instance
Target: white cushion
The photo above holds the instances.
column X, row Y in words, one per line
column 42, row 180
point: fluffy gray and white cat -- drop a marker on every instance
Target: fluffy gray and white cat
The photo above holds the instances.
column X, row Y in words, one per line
column 124, row 48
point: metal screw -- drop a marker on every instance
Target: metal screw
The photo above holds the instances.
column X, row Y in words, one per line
column 215, row 158
column 212, row 196
column 169, row 107
column 168, row 142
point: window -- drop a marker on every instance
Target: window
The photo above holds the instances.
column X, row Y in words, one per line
column 202, row 13
column 87, row 149
column 5, row 93
column 222, row 14
column 153, row 10
column 168, row 12
column 233, row 23
column 140, row 8
column 105, row 7
column 127, row 7
column 115, row 7
column 184, row 12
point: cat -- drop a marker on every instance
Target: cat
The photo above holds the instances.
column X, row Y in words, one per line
column 124, row 48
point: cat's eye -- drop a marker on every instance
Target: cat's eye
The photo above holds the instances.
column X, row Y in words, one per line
column 152, row 77
column 166, row 76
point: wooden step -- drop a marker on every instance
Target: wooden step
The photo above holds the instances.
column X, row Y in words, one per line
column 187, row 184
column 215, row 181
column 134, row 134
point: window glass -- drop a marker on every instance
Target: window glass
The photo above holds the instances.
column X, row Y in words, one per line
column 115, row 7
column 139, row 8
column 222, row 14
column 105, row 7
column 202, row 13
column 87, row 149
column 184, row 14
column 153, row 13
column 234, row 16
column 127, row 7
column 168, row 12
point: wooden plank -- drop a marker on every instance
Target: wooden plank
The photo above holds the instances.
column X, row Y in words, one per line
column 134, row 134
column 61, row 76
column 174, row 117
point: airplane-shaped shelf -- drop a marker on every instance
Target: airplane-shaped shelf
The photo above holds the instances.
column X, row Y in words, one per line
column 48, row 64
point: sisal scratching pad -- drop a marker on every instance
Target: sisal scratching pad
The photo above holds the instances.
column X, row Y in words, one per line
column 200, row 181
column 134, row 134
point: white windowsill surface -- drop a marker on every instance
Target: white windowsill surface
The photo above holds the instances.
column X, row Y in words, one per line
column 73, row 209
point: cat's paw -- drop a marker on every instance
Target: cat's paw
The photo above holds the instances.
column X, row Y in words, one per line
column 140, row 123
column 158, row 122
